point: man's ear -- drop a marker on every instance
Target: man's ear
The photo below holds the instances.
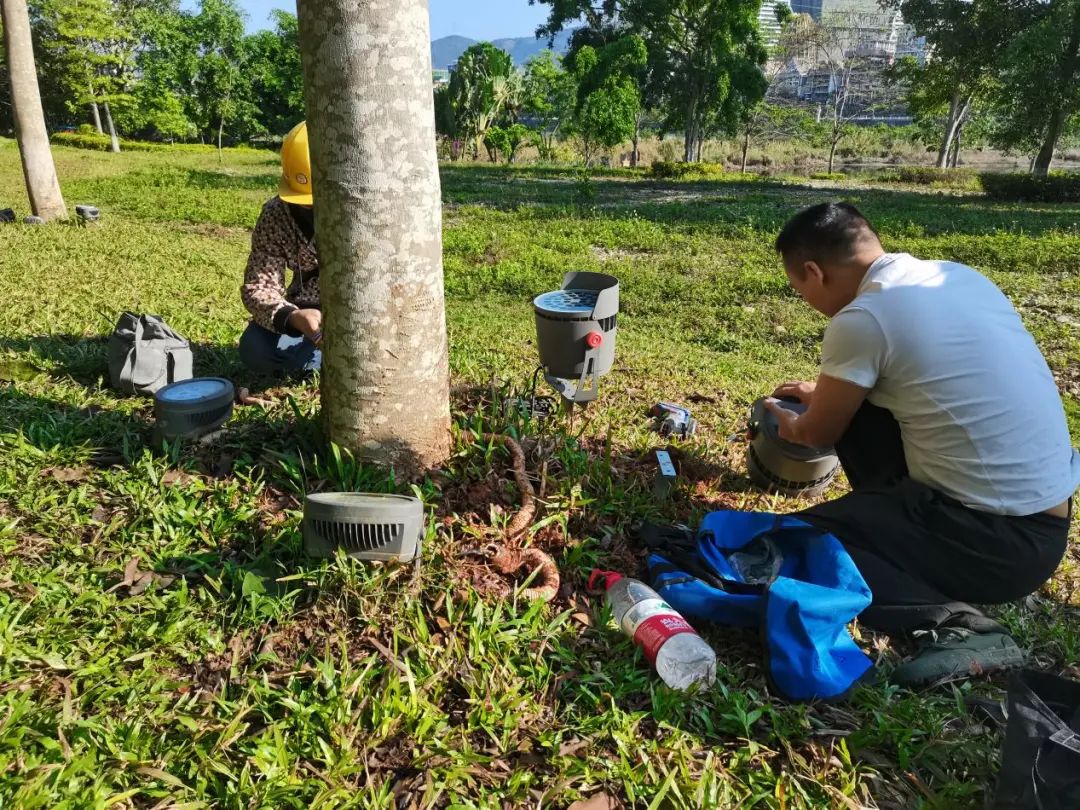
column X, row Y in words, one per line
column 813, row 271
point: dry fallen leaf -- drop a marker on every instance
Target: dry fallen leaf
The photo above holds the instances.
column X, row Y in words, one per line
column 66, row 474
column 571, row 747
column 178, row 477
column 598, row 801
column 137, row 581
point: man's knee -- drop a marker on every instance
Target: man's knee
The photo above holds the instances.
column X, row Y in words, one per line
column 258, row 348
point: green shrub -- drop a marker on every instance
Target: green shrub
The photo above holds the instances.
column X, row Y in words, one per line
column 958, row 179
column 87, row 129
column 82, row 140
column 1057, row 187
column 678, row 170
column 828, row 176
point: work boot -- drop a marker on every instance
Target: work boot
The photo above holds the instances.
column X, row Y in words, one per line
column 954, row 653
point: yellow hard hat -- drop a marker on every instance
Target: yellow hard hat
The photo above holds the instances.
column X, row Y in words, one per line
column 295, row 184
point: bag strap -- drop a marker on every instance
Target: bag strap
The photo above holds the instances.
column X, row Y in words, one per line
column 127, row 372
column 1045, row 799
column 694, row 569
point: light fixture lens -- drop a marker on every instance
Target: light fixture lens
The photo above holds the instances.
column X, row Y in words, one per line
column 192, row 390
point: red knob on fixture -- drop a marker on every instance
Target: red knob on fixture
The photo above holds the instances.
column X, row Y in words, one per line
column 593, row 339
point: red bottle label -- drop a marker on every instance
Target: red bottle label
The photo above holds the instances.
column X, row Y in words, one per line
column 652, row 633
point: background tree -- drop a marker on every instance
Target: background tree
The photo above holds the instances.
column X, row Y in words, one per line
column 484, row 87
column 163, row 56
column 378, row 221
column 39, row 171
column 702, row 55
column 608, row 95
column 962, row 43
column 216, row 89
column 88, row 47
column 1038, row 92
column 506, row 141
column 271, row 62
column 549, row 95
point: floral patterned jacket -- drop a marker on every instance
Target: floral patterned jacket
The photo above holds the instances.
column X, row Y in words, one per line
column 277, row 244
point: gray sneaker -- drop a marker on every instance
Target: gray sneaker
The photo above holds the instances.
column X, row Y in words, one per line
column 953, row 654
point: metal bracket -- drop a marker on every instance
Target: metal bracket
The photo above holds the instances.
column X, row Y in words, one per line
column 586, row 388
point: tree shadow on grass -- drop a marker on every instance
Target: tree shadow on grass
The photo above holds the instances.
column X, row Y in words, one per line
column 85, row 360
column 761, row 204
column 210, row 180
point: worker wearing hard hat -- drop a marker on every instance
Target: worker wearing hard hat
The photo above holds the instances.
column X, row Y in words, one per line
column 286, row 321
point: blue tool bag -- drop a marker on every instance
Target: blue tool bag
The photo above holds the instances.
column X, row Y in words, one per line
column 776, row 572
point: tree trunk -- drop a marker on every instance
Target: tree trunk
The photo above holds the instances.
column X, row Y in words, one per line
column 952, row 123
column 954, row 158
column 745, row 148
column 115, row 145
column 95, row 112
column 690, row 136
column 220, row 133
column 378, row 220
column 1041, row 166
column 636, row 141
column 39, row 171
column 1070, row 66
column 832, row 153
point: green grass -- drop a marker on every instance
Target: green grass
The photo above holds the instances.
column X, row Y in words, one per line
column 247, row 675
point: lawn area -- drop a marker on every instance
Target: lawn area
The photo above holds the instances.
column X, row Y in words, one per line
column 243, row 674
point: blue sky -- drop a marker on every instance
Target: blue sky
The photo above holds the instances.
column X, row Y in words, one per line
column 478, row 19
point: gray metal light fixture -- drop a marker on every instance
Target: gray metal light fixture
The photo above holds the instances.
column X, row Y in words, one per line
column 367, row 526
column 780, row 466
column 575, row 333
column 190, row 409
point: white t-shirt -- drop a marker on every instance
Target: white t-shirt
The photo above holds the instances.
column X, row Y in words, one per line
column 941, row 347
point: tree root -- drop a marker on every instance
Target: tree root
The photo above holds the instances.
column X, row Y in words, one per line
column 510, row 558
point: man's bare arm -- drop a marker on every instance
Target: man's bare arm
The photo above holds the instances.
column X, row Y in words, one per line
column 832, row 407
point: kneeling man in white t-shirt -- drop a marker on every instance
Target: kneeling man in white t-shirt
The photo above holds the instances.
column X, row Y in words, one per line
column 951, row 431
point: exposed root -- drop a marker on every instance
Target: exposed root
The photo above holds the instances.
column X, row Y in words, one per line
column 521, row 522
column 510, row 557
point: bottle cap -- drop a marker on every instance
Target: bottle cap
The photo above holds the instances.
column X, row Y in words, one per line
column 609, row 577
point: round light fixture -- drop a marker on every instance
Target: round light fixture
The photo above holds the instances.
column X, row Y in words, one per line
column 576, row 328
column 190, row 409
column 780, row 466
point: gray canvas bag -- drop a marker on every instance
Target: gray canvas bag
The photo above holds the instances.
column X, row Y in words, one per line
column 145, row 354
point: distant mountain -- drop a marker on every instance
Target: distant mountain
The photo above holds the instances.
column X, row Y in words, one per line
column 447, row 50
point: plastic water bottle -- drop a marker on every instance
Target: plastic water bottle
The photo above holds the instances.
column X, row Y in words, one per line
column 679, row 655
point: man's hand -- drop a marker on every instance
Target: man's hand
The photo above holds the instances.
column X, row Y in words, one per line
column 802, row 391
column 832, row 406
column 785, row 420
column 308, row 322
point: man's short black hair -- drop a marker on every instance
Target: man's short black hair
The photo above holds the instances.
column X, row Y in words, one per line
column 829, row 230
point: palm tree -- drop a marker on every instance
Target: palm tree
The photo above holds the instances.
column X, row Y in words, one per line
column 42, row 186
column 375, row 176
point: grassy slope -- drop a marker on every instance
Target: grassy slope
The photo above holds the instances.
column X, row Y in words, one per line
column 251, row 676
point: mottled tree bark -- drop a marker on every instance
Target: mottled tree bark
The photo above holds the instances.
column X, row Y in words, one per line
column 371, row 119
column 42, row 186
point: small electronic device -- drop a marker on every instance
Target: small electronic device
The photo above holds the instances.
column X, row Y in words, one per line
column 780, row 466
column 673, row 420
column 190, row 409
column 367, row 526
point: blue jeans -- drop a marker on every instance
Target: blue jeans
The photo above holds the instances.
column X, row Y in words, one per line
column 267, row 352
